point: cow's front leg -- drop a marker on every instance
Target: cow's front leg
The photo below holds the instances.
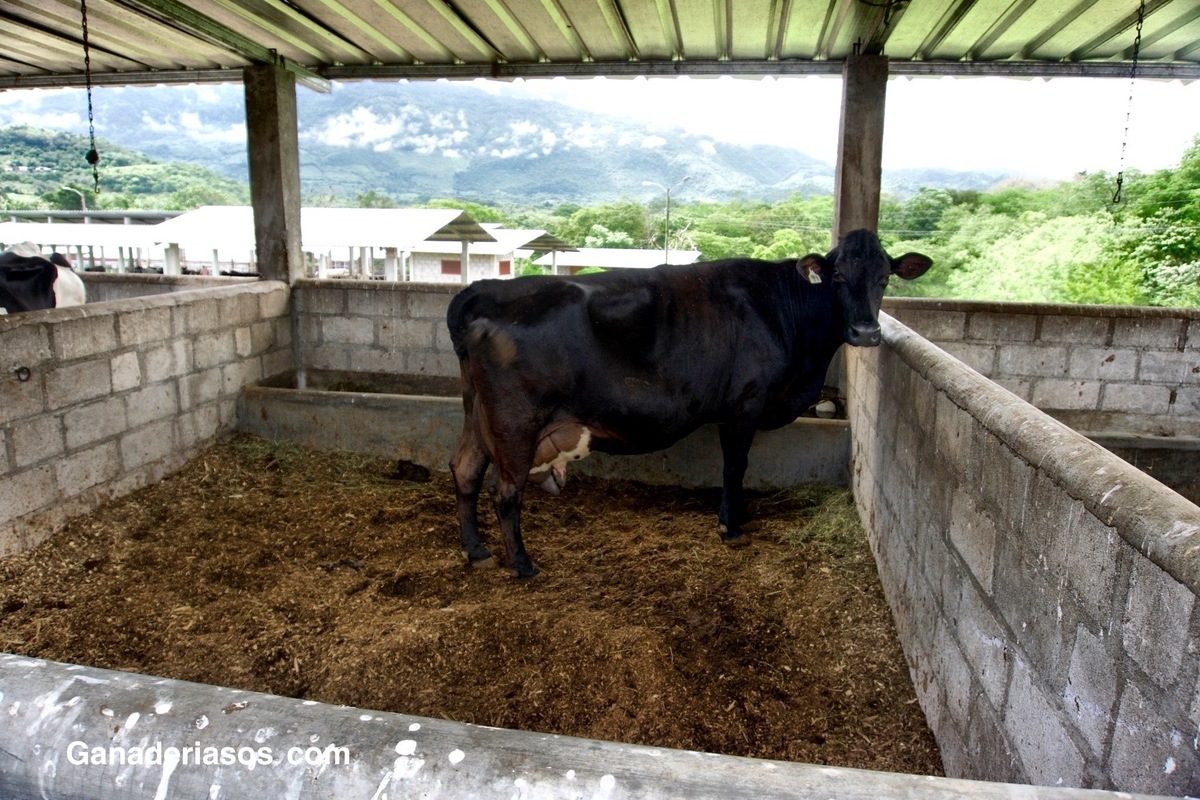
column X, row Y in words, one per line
column 508, row 509
column 735, row 449
column 468, row 467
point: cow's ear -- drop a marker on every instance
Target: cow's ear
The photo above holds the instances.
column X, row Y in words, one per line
column 911, row 265
column 812, row 267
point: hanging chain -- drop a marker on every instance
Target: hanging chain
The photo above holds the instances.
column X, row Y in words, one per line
column 92, row 156
column 1137, row 47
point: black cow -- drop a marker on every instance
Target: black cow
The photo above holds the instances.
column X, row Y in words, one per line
column 31, row 282
column 631, row 362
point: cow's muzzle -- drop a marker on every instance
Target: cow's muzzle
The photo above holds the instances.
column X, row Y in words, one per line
column 863, row 335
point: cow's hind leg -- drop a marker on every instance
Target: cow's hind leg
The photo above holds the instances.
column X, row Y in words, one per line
column 508, row 509
column 735, row 450
column 468, row 467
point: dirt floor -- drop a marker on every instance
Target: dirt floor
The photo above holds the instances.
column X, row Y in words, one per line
column 335, row 577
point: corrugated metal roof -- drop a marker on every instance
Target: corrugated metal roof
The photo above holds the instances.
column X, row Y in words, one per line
column 616, row 258
column 136, row 41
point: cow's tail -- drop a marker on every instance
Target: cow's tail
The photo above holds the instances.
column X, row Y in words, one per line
column 458, row 320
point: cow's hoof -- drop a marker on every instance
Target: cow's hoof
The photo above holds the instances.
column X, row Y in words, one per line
column 741, row 540
column 533, row 572
column 489, row 562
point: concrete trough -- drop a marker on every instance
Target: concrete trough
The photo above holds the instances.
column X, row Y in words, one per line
column 71, row 733
column 424, row 429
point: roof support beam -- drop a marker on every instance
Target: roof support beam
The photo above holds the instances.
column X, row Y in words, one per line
column 651, row 69
column 181, row 16
column 860, row 145
column 274, row 160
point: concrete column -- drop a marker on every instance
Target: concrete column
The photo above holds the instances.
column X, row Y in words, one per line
column 171, row 265
column 465, row 262
column 389, row 263
column 274, row 170
column 860, row 144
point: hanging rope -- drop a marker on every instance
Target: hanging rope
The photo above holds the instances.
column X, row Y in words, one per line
column 1137, row 47
column 92, row 156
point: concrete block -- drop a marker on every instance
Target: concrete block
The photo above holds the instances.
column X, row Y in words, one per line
column 973, row 534
column 236, row 376
column 1033, row 360
column 1145, row 333
column 429, row 305
column 1136, row 398
column 348, row 330
column 238, row 310
column 1035, row 727
column 262, row 337
column 85, row 336
column 991, row 755
column 1031, row 602
column 982, row 640
column 37, row 439
column 87, row 468
column 167, row 361
column 126, row 373
column 323, row 300
column 1021, row 387
column 27, row 491
column 6, row 465
column 158, row 401
column 996, row 327
column 1073, row 329
column 277, row 362
column 195, row 429
column 1187, row 402
column 201, row 316
column 1169, row 367
column 20, row 399
column 25, row 345
column 406, row 334
column 242, row 342
column 421, row 363
column 309, row 330
column 1091, row 565
column 1055, row 393
column 378, row 301
column 144, row 326
column 373, row 360
column 979, row 357
column 1151, row 752
column 213, row 349
column 326, row 356
column 1102, row 363
column 1158, row 611
column 1004, row 480
column 150, row 443
column 951, row 674
column 937, row 326
column 1091, row 694
column 94, row 422
column 77, row 383
column 274, row 304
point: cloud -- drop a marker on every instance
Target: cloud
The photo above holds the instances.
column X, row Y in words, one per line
column 196, row 128
column 652, row 142
column 66, row 120
column 150, row 123
column 708, row 147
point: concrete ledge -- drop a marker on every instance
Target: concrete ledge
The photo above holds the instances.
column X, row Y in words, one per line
column 902, row 304
column 425, row 430
column 1157, row 521
column 49, row 706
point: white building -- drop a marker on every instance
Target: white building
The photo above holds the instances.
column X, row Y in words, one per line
column 441, row 262
column 612, row 258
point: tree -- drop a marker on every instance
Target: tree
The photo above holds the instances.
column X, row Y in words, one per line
column 374, row 199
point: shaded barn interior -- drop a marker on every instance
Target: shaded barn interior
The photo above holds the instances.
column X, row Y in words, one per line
column 1043, row 588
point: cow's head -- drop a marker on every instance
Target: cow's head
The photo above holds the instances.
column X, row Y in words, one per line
column 858, row 269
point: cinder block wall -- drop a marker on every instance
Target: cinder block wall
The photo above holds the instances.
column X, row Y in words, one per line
column 98, row 400
column 1044, row 590
column 1100, row 369
column 374, row 326
column 104, row 286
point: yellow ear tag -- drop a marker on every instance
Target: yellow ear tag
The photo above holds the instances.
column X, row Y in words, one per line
column 813, row 277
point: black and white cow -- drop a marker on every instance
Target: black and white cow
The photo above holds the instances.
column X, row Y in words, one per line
column 30, row 281
column 631, row 362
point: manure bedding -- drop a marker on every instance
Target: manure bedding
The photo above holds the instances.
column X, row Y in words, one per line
column 338, row 578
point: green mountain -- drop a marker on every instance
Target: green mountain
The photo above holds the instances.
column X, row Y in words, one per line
column 37, row 166
column 414, row 141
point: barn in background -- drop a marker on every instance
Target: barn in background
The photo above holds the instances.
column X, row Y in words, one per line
column 1044, row 590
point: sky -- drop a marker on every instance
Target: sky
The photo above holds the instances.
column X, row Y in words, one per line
column 1037, row 128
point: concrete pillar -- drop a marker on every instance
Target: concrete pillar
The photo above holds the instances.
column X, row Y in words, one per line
column 274, row 170
column 860, row 144
column 171, row 260
column 389, row 264
column 465, row 262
